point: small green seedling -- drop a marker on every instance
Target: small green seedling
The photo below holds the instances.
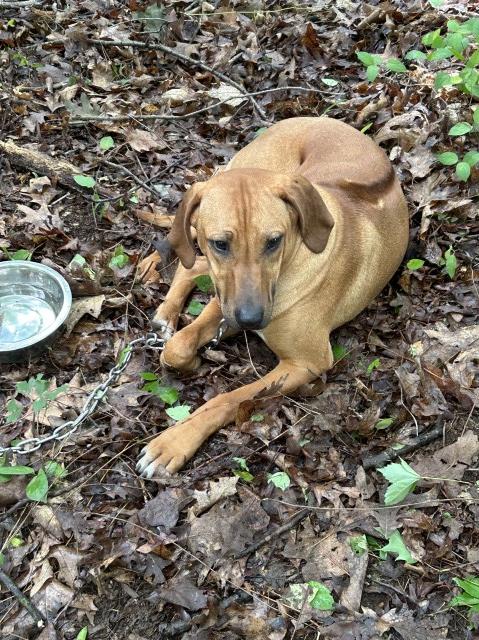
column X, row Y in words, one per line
column 280, row 479
column 243, row 471
column 179, row 412
column 403, row 481
column 414, row 264
column 154, row 385
column 397, row 547
column 119, row 258
column 469, row 596
column 449, row 262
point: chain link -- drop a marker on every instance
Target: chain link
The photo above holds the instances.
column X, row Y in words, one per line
column 148, row 341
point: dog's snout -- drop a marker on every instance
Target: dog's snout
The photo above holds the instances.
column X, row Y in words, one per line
column 249, row 316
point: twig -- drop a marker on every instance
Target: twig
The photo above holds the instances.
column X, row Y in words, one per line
column 175, row 54
column 183, row 116
column 392, row 453
column 20, row 4
column 138, row 180
column 298, row 517
column 22, row 598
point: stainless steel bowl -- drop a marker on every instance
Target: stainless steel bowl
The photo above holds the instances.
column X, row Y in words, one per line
column 34, row 303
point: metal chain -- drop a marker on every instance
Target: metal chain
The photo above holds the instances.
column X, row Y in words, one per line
column 149, row 341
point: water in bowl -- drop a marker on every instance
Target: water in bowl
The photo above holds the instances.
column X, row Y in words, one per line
column 23, row 316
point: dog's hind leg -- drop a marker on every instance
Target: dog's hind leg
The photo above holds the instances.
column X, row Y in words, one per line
column 166, row 316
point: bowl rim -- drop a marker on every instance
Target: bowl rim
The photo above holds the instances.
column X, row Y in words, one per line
column 62, row 314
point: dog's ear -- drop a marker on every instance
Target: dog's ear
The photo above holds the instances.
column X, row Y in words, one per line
column 314, row 219
column 180, row 235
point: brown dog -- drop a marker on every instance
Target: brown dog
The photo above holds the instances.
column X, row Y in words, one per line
column 299, row 233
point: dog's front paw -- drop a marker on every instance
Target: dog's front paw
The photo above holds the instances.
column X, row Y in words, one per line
column 169, row 451
column 164, row 328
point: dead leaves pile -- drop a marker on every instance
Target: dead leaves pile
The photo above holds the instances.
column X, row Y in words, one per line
column 197, row 556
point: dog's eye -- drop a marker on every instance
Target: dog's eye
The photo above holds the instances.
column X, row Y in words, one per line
column 220, row 246
column 272, row 244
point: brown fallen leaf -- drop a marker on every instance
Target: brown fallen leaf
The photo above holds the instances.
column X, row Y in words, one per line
column 90, row 305
column 141, row 140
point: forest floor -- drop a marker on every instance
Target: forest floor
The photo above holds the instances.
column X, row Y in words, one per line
column 278, row 527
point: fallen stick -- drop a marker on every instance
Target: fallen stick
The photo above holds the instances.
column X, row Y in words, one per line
column 296, row 519
column 183, row 116
column 391, row 454
column 175, row 54
column 22, row 599
column 45, row 165
column 20, row 4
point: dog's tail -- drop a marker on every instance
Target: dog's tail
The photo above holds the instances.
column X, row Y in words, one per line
column 371, row 190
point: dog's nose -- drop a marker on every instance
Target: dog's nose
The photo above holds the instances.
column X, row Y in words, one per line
column 249, row 316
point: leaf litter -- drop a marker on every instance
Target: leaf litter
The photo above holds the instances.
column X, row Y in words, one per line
column 122, row 558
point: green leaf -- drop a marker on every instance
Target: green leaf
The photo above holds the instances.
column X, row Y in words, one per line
column 359, row 544
column 244, row 475
column 134, row 199
column 169, row 395
column 204, row 283
column 393, row 64
column 2, row 559
column 195, row 308
column 82, row 634
column 436, row 3
column 384, row 423
column 329, row 82
column 107, row 143
column 374, row 364
column 339, row 352
column 16, row 542
column 433, row 39
column 443, row 53
column 396, row 545
column 415, row 54
column 14, row 410
column 365, row 57
column 21, row 254
column 448, row 158
column 463, row 171
column 414, row 264
column 464, row 600
column 84, row 181
column 16, row 470
column 180, row 412
column 451, row 263
column 397, row 491
column 442, row 79
column 242, row 464
column 399, row 471
column 472, row 158
column 37, row 488
column 372, row 72
column 320, row 597
column 146, row 375
column 470, row 585
column 280, row 479
column 119, row 259
column 460, row 129
column 473, row 60
column 260, row 131
column 257, row 417
column 55, row 470
column 475, row 114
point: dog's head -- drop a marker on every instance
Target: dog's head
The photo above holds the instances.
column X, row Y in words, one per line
column 249, row 224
